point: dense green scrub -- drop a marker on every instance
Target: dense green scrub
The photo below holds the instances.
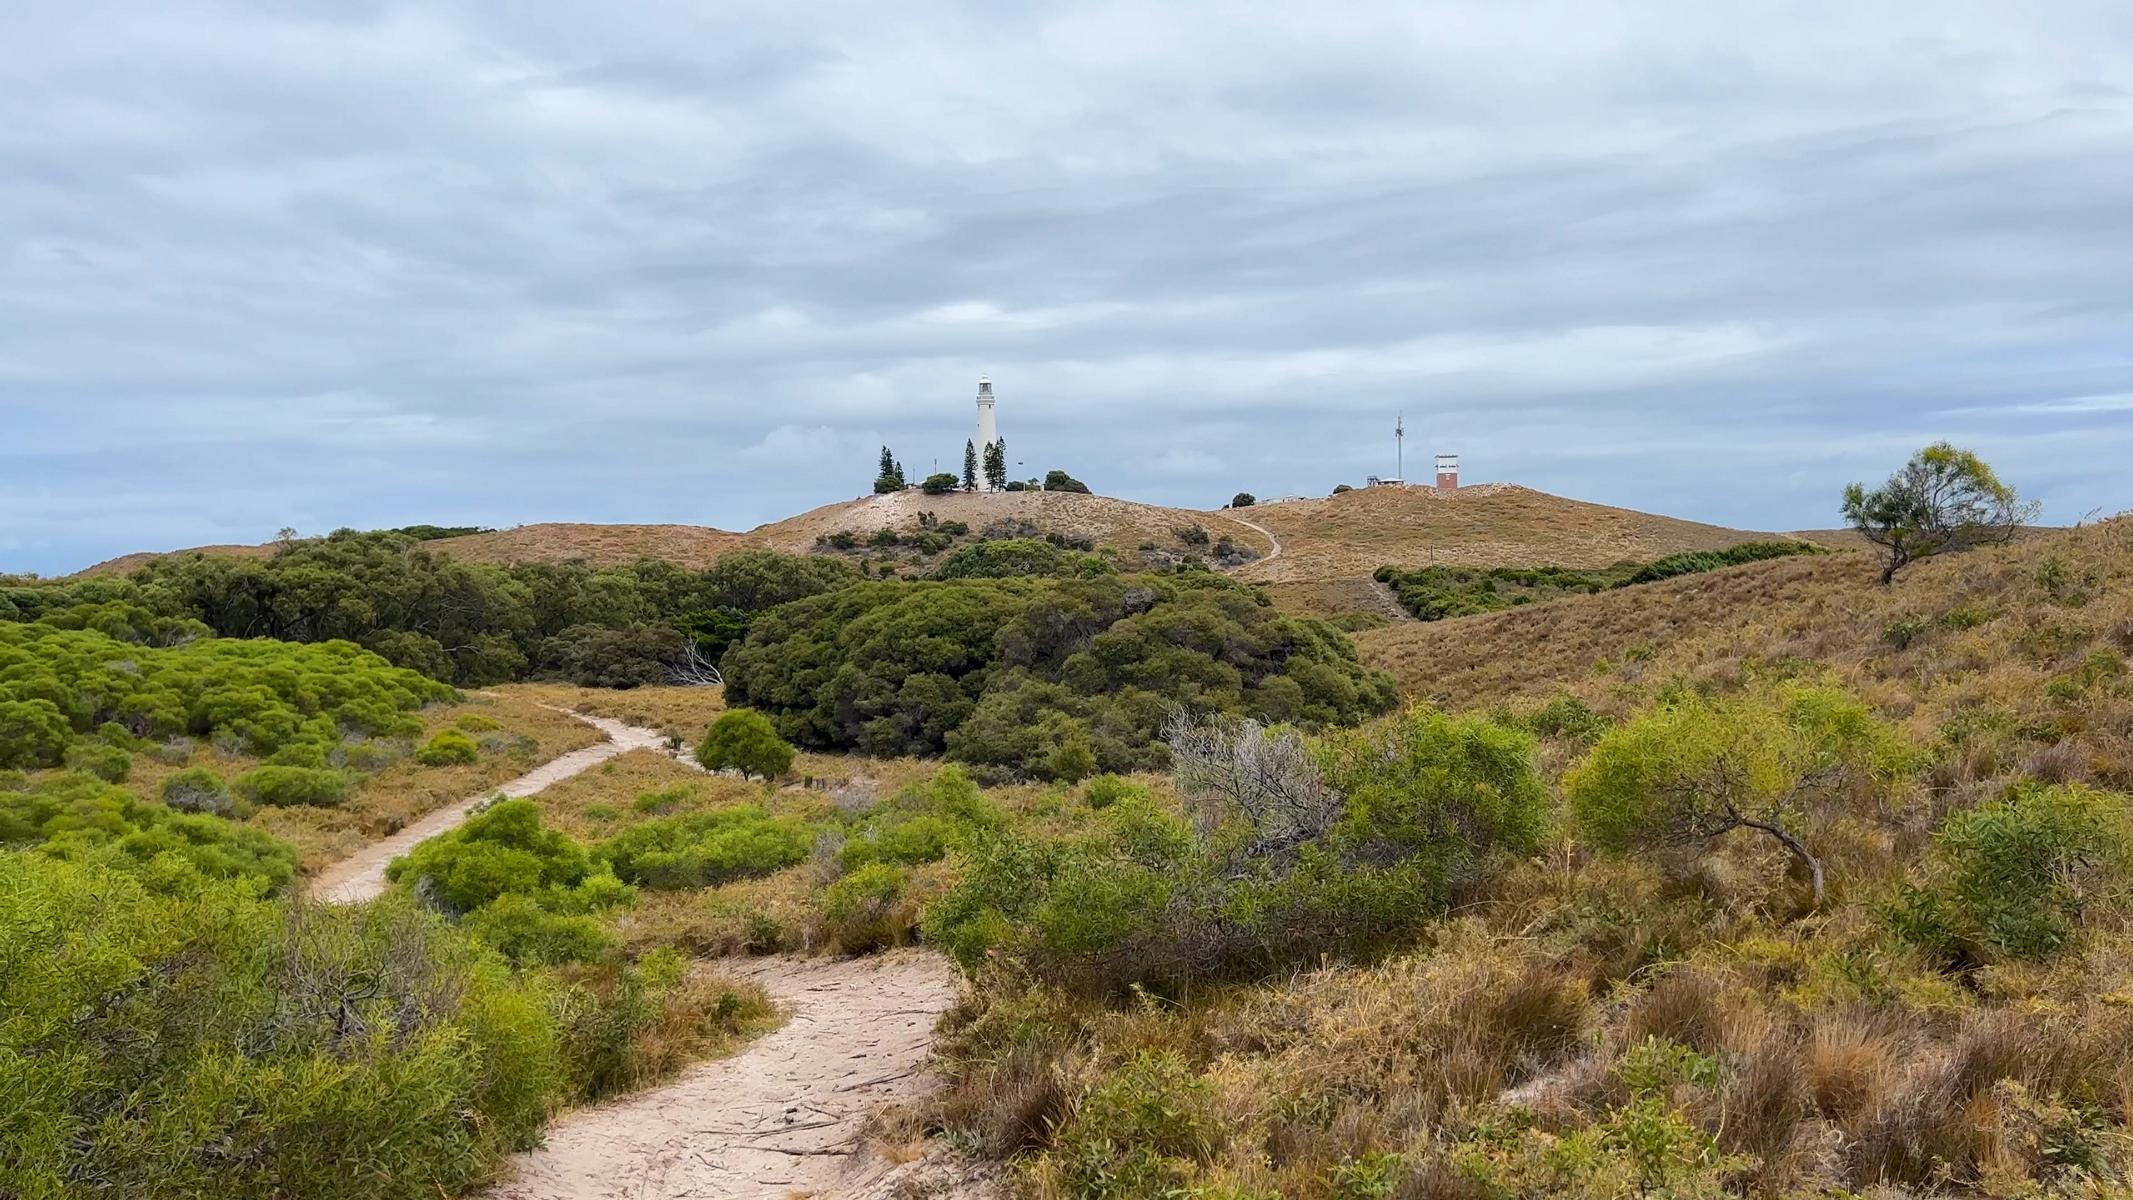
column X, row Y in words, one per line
column 208, row 1042
column 1055, row 678
column 81, row 818
column 58, row 684
column 467, row 623
column 1286, row 850
column 1434, row 593
column 169, row 1029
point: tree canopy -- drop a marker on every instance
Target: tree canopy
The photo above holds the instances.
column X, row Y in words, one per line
column 461, row 622
column 1944, row 499
column 1048, row 677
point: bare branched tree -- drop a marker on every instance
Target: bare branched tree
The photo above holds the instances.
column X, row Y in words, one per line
column 694, row 670
column 1228, row 769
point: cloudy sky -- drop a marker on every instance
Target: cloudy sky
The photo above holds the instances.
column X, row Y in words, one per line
column 343, row 262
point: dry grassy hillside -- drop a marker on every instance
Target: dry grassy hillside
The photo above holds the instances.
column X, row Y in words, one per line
column 1107, row 521
column 1492, row 524
column 1111, row 523
column 2009, row 636
column 126, row 564
column 694, row 546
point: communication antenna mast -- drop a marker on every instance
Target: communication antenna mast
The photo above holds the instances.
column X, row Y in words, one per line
column 1399, row 438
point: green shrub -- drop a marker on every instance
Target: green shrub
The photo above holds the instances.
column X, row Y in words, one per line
column 197, row 790
column 2015, row 877
column 82, row 818
column 1141, row 1132
column 1017, row 558
column 1060, row 481
column 210, row 1043
column 866, row 909
column 448, row 748
column 921, row 823
column 1692, row 770
column 702, row 849
column 1282, row 863
column 1567, row 717
column 255, row 695
column 624, row 656
column 108, row 763
column 744, row 740
column 525, row 889
column 526, row 933
column 1432, row 790
column 1435, row 593
column 293, row 787
column 1107, row 790
column 504, row 849
column 33, row 733
column 476, row 723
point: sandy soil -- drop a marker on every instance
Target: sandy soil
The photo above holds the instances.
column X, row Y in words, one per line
column 362, row 876
column 783, row 1118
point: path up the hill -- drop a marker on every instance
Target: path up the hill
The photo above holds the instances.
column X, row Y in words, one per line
column 361, row 876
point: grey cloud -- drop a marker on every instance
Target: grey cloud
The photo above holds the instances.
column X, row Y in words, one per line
column 336, row 264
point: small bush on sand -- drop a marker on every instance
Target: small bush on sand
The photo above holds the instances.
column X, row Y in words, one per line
column 868, row 910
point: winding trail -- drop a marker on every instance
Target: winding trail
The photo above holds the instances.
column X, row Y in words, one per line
column 361, row 876
column 785, row 1117
column 1264, row 532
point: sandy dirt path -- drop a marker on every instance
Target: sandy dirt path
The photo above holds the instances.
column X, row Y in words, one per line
column 783, row 1118
column 1264, row 532
column 362, row 876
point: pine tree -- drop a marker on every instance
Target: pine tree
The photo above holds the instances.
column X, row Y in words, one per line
column 891, row 476
column 970, row 466
column 995, row 467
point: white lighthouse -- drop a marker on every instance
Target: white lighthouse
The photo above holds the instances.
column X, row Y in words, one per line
column 988, row 424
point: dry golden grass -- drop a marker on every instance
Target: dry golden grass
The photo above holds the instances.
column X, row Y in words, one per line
column 1492, row 525
column 684, row 713
column 127, row 563
column 1112, row 523
column 2020, row 649
column 1338, row 600
column 603, row 801
column 694, row 546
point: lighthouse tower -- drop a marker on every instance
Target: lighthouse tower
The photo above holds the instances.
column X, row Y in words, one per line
column 988, row 424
